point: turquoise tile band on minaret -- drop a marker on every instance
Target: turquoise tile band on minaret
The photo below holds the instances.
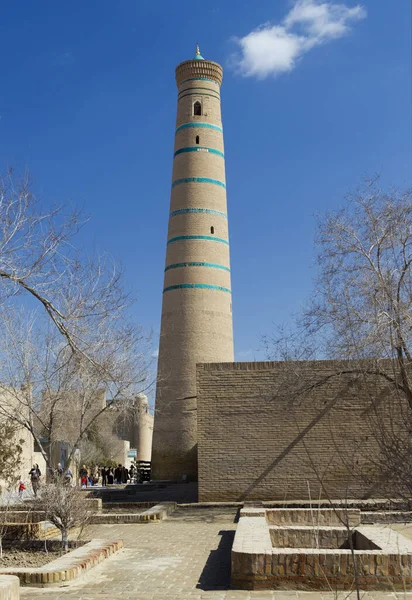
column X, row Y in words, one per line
column 207, row 211
column 197, row 264
column 198, row 180
column 199, row 149
column 210, row 238
column 204, row 125
column 200, row 286
column 191, row 89
column 199, row 79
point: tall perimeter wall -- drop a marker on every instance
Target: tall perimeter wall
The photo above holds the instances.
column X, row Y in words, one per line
column 196, row 321
column 291, row 431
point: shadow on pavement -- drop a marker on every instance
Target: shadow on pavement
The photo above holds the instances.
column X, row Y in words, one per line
column 216, row 572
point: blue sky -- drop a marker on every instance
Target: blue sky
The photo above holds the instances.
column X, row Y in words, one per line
column 315, row 95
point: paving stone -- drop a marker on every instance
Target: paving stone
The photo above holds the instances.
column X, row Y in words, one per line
column 185, row 557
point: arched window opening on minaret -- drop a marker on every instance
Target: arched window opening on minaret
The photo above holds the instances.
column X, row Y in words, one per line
column 197, row 140
column 212, row 230
column 197, row 109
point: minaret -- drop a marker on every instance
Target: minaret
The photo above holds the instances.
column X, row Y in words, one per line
column 196, row 322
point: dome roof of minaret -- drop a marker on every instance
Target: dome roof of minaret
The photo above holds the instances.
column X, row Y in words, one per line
column 198, row 56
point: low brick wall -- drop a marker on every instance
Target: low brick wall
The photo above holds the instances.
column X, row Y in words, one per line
column 9, row 587
column 42, row 530
column 318, row 517
column 122, row 505
column 66, row 568
column 155, row 513
column 390, row 516
column 20, row 516
column 256, row 564
column 308, row 537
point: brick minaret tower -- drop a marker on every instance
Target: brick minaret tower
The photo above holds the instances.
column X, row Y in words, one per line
column 196, row 322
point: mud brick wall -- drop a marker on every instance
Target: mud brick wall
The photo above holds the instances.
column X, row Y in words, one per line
column 290, row 431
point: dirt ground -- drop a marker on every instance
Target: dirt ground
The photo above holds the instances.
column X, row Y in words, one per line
column 35, row 554
column 16, row 557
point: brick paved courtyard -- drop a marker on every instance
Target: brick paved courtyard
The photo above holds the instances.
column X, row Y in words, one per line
column 185, row 557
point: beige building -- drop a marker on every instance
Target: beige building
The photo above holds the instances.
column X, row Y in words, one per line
column 134, row 423
column 196, row 323
column 125, row 426
column 18, row 401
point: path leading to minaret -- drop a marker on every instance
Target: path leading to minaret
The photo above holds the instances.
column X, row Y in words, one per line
column 186, row 557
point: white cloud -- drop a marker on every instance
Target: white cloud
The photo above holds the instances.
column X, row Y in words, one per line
column 275, row 49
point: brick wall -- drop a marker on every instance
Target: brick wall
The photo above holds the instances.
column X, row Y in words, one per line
column 271, row 431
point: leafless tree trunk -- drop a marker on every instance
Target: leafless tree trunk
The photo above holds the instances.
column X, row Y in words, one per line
column 66, row 507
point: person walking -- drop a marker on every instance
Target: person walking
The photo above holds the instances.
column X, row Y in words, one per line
column 59, row 471
column 118, row 474
column 22, row 487
column 34, row 474
column 125, row 475
column 104, row 476
column 110, row 476
column 68, row 476
column 83, row 476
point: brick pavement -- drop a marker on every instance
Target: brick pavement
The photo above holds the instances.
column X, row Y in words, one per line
column 186, row 557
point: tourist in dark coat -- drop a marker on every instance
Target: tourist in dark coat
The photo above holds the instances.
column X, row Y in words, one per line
column 125, row 475
column 118, row 474
column 104, row 476
column 35, row 479
column 110, row 477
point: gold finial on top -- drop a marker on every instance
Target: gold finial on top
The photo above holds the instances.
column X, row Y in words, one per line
column 197, row 50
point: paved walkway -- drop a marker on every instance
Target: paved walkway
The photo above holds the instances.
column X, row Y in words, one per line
column 186, row 557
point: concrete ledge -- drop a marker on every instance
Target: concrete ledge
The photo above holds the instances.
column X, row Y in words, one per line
column 9, row 587
column 155, row 513
column 66, row 568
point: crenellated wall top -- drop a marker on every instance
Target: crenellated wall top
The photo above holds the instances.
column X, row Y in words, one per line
column 203, row 69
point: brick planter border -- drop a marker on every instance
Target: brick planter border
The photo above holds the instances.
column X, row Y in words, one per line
column 257, row 564
column 68, row 567
column 155, row 513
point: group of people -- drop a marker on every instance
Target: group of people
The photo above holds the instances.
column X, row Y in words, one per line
column 109, row 476
column 120, row 474
column 34, row 475
column 65, row 475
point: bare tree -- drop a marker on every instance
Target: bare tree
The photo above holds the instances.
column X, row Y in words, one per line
column 64, row 321
column 39, row 260
column 66, row 507
column 66, row 396
column 360, row 314
column 10, row 453
column 10, row 463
